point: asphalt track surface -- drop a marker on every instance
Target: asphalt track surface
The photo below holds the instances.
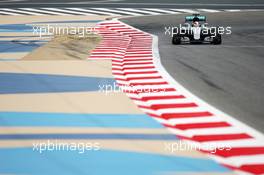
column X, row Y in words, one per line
column 228, row 76
column 214, row 4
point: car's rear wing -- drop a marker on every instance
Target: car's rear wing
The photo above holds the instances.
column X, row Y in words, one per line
column 198, row 17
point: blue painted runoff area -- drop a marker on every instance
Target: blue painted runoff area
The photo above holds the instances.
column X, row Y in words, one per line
column 36, row 119
column 100, row 162
column 20, row 46
column 15, row 83
column 88, row 136
column 15, row 28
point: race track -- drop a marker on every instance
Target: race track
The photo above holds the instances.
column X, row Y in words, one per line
column 229, row 76
column 212, row 4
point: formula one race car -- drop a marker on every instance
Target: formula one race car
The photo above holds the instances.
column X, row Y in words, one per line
column 196, row 30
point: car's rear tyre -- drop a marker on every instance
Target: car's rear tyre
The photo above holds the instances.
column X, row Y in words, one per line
column 176, row 39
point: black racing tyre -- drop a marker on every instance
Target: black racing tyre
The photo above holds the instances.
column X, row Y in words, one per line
column 176, row 39
column 217, row 40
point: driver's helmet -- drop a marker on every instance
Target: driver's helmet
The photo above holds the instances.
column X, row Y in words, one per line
column 196, row 24
column 195, row 19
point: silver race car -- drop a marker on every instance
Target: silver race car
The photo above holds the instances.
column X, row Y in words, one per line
column 196, row 30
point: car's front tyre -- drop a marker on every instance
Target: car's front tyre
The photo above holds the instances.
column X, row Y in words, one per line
column 176, row 39
column 217, row 40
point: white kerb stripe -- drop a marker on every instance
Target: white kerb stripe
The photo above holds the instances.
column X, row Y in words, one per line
column 94, row 12
column 67, row 11
column 238, row 161
column 151, row 94
column 189, row 133
column 209, row 131
column 20, row 11
column 164, row 101
column 132, row 62
column 118, row 11
column 140, row 11
column 177, row 110
column 175, row 121
column 137, row 89
column 130, row 71
column 137, row 75
column 239, row 143
column 9, row 13
column 45, row 11
column 131, row 66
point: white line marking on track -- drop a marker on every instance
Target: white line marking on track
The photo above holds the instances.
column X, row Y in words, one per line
column 209, row 10
column 162, row 11
column 186, row 10
column 233, row 10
